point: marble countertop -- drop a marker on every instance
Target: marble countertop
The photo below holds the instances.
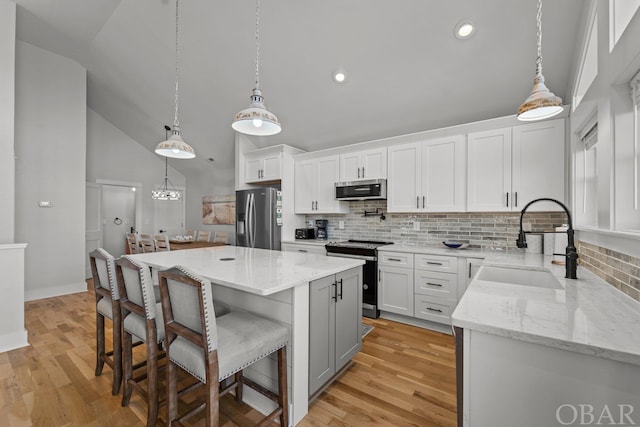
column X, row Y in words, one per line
column 437, row 249
column 256, row 271
column 585, row 315
column 315, row 242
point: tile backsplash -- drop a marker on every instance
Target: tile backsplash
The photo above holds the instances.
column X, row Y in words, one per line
column 619, row 270
column 495, row 230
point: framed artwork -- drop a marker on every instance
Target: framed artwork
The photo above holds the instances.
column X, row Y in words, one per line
column 219, row 209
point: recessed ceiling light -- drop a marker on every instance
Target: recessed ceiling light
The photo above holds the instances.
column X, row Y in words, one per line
column 464, row 29
column 339, row 76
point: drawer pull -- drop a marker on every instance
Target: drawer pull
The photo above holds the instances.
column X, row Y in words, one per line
column 434, row 263
column 394, row 259
column 434, row 309
column 302, row 250
column 434, row 284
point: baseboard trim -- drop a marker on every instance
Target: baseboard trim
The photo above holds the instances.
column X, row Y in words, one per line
column 421, row 323
column 13, row 340
column 54, row 291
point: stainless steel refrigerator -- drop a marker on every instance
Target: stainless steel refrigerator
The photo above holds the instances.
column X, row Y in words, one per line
column 257, row 219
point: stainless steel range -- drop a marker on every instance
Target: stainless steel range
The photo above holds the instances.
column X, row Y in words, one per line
column 368, row 251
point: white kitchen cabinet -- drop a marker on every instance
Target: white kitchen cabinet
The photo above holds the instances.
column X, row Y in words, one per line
column 427, row 176
column 315, row 186
column 312, row 248
column 263, row 167
column 335, row 325
column 509, row 167
column 395, row 290
column 366, row 164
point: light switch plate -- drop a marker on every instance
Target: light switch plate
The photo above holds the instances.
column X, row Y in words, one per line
column 416, row 225
column 341, row 225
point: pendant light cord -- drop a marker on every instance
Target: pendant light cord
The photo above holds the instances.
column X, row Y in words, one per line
column 539, row 23
column 176, row 122
column 257, row 44
column 166, row 173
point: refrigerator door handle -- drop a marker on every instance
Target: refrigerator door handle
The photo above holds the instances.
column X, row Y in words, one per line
column 253, row 220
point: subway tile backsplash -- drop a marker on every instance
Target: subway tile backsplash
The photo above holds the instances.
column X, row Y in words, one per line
column 619, row 270
column 494, row 230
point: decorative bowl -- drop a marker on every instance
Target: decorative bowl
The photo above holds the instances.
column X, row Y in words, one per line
column 455, row 245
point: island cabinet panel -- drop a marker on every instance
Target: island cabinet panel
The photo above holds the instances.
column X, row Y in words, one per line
column 335, row 325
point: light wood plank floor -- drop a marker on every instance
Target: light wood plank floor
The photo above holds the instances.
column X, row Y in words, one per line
column 404, row 376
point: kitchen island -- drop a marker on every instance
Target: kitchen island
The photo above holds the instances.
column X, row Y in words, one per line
column 272, row 284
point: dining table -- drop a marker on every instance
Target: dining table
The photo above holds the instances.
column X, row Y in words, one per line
column 176, row 245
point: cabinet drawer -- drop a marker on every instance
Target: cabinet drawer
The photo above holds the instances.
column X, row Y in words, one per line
column 434, row 309
column 442, row 285
column 395, row 259
column 301, row 247
column 447, row 264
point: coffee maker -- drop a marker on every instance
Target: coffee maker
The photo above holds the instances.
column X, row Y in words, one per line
column 321, row 228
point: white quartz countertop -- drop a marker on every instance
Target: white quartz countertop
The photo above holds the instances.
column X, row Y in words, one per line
column 585, row 315
column 257, row 271
column 314, row 242
column 435, row 249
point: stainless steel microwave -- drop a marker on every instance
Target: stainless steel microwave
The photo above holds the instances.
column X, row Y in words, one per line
column 362, row 190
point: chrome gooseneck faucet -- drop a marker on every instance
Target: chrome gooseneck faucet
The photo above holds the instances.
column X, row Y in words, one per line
column 571, row 254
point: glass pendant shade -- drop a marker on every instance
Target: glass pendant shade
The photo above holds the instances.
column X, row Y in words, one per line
column 256, row 120
column 175, row 146
column 541, row 103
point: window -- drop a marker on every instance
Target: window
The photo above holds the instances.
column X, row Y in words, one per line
column 586, row 178
column 588, row 62
column 620, row 14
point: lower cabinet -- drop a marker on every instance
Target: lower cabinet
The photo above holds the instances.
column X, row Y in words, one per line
column 395, row 290
column 312, row 248
column 335, row 325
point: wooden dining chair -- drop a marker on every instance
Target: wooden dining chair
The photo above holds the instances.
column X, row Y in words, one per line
column 203, row 236
column 161, row 242
column 220, row 237
column 132, row 243
column 216, row 350
column 107, row 305
column 147, row 243
column 141, row 315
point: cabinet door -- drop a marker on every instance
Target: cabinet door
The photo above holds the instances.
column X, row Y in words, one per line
column 271, row 168
column 348, row 316
column 252, row 170
column 404, row 169
column 395, row 291
column 538, row 164
column 350, row 169
column 373, row 164
column 327, row 174
column 468, row 269
column 489, row 179
column 321, row 331
column 304, row 187
column 444, row 174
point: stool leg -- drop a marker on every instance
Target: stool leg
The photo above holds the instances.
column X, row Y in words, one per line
column 99, row 343
column 172, row 391
column 212, row 407
column 152, row 374
column 127, row 367
column 117, row 352
column 283, row 398
column 238, row 380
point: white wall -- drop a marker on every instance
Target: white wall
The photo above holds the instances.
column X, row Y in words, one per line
column 112, row 155
column 50, row 135
column 7, row 84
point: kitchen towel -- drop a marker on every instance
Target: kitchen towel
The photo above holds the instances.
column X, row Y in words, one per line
column 534, row 244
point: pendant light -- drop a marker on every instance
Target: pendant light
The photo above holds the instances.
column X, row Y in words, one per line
column 174, row 146
column 542, row 103
column 165, row 193
column 256, row 120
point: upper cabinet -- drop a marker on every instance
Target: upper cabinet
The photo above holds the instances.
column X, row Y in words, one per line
column 509, row 167
column 427, row 176
column 263, row 166
column 315, row 186
column 366, row 164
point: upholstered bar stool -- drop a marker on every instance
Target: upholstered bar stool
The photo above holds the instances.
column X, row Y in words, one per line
column 141, row 318
column 107, row 305
column 216, row 349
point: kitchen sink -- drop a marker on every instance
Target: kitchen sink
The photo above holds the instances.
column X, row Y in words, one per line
column 518, row 276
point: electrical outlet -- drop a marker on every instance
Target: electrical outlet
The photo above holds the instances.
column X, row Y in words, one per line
column 416, row 226
column 341, row 225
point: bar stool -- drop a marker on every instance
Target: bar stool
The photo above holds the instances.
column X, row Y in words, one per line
column 142, row 318
column 215, row 349
column 107, row 305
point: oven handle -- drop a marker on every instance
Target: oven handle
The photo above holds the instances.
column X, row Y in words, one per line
column 364, row 257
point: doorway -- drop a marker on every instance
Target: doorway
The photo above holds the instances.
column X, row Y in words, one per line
column 118, row 217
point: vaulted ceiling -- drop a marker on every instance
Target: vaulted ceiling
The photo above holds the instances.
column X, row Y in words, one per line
column 406, row 70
